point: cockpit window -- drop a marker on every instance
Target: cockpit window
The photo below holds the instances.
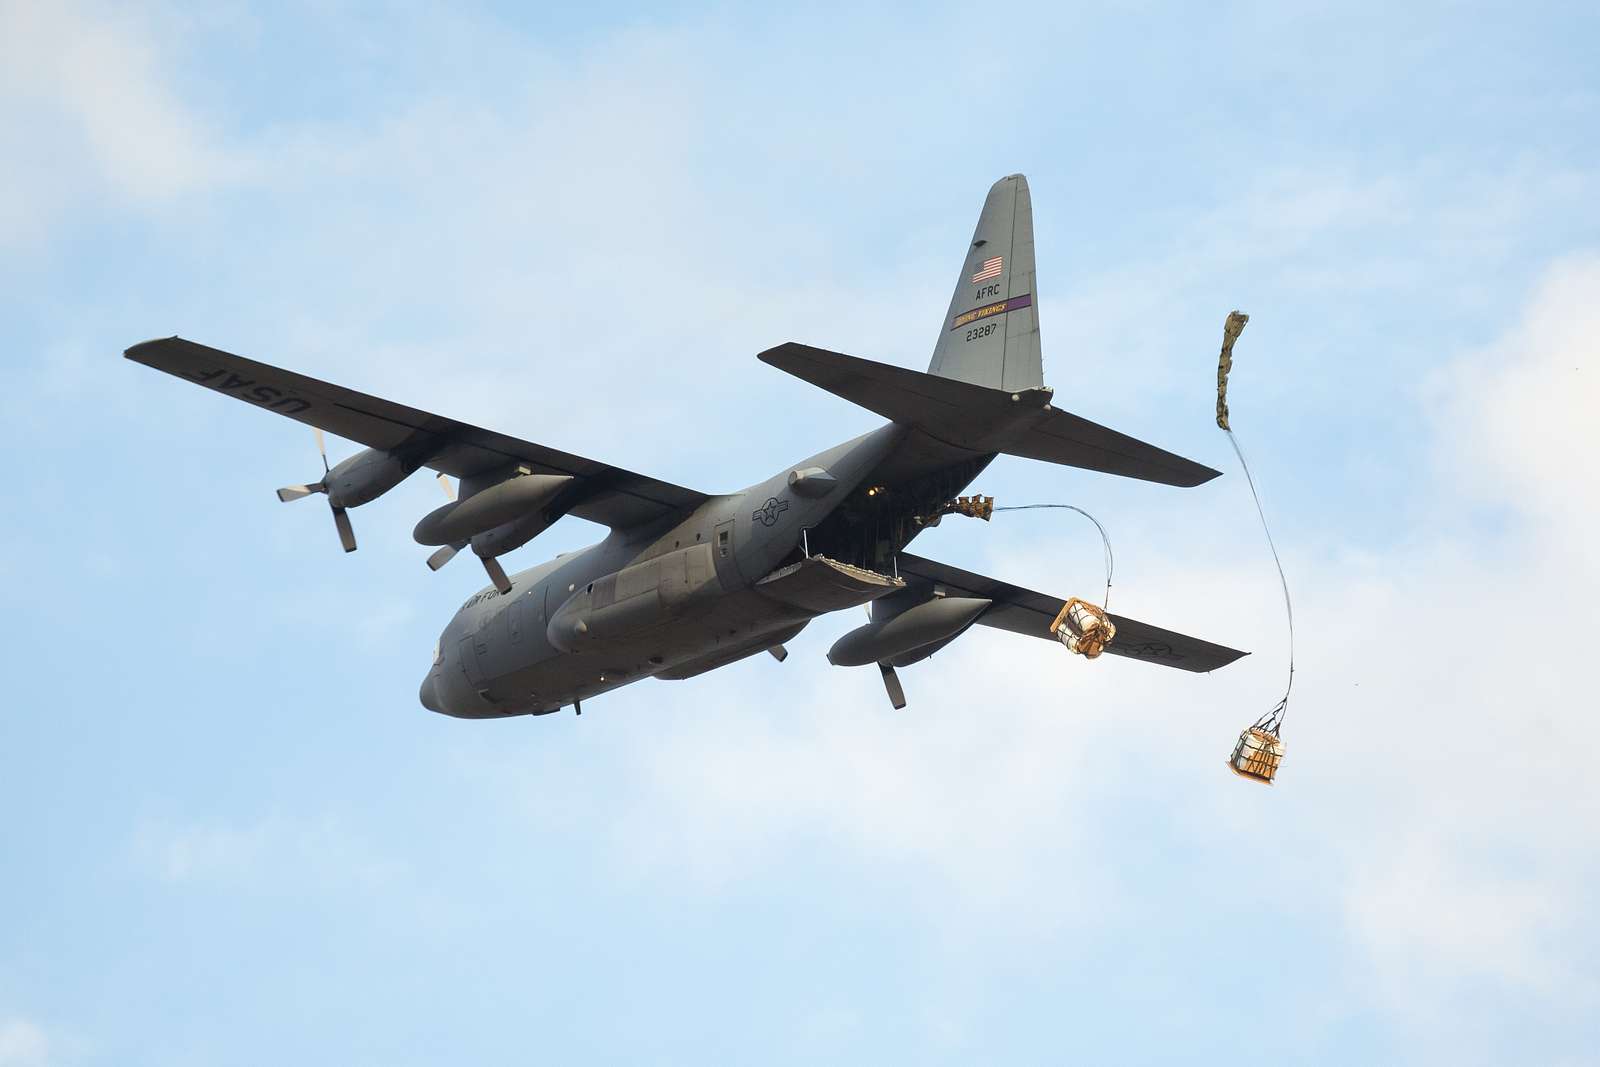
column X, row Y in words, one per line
column 438, row 656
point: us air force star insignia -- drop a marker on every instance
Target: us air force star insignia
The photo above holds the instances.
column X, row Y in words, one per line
column 767, row 514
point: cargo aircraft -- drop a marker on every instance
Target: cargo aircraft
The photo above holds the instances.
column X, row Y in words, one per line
column 686, row 582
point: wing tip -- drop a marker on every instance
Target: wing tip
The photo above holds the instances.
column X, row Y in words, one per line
column 1200, row 477
column 1233, row 656
column 134, row 351
column 1223, row 656
column 773, row 356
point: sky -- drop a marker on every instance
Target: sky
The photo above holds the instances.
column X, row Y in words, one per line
column 232, row 835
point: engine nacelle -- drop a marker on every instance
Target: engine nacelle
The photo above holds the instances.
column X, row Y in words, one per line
column 924, row 624
column 511, row 535
column 365, row 477
column 493, row 511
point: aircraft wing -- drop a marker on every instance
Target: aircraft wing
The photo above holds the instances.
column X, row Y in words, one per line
column 1022, row 611
column 607, row 495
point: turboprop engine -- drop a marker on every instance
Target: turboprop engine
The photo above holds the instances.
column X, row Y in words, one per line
column 494, row 520
column 927, row 623
column 904, row 637
column 361, row 479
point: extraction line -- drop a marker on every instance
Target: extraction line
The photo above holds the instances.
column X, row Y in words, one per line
column 1272, row 721
column 1104, row 539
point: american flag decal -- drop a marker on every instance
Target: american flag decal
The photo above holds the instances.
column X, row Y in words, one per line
column 990, row 269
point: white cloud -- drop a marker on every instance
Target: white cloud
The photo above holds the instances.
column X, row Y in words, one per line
column 1525, row 411
column 1435, row 806
column 23, row 1044
column 87, row 108
column 483, row 254
column 1431, row 915
column 575, row 219
column 315, row 851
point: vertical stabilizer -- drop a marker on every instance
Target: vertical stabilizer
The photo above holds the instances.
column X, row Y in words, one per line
column 990, row 336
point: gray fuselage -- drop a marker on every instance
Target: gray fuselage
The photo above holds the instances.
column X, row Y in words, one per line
column 677, row 601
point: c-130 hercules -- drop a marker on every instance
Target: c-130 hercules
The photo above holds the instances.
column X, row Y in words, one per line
column 687, row 582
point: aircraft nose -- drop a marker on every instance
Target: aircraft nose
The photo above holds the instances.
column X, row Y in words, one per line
column 429, row 698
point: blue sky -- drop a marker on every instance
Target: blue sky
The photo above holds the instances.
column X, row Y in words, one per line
column 232, row 834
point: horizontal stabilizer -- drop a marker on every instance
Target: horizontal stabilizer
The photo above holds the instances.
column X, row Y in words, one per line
column 985, row 420
column 1023, row 611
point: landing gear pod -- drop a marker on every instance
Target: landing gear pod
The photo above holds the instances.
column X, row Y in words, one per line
column 1084, row 628
column 1257, row 755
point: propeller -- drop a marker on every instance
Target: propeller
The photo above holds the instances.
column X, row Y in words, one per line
column 341, row 520
column 347, row 533
column 891, row 682
column 297, row 492
column 497, row 573
column 441, row 556
column 445, row 555
column 448, row 552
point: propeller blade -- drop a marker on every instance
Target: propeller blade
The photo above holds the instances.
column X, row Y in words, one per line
column 891, row 682
column 298, row 492
column 449, row 490
column 445, row 555
column 497, row 574
column 347, row 533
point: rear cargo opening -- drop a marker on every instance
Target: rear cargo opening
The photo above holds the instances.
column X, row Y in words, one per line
column 878, row 520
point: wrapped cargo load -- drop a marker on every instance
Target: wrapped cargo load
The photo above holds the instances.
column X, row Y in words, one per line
column 1084, row 628
column 1257, row 755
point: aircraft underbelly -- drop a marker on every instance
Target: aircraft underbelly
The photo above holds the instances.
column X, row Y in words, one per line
column 556, row 679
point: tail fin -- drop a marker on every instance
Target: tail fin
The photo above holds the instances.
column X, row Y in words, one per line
column 991, row 335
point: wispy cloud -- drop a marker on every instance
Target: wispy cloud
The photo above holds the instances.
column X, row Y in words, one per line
column 318, row 852
column 88, row 110
column 23, row 1044
column 578, row 239
column 1433, row 805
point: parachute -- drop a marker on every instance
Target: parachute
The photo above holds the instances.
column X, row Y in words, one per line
column 1230, row 333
